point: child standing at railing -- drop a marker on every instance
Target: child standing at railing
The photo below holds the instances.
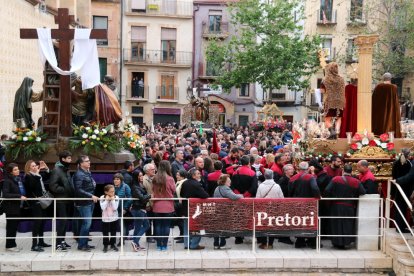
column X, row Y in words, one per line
column 109, row 204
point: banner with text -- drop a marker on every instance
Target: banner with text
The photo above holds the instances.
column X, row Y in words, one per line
column 278, row 217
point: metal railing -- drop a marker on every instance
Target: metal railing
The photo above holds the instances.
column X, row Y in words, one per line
column 166, row 57
column 136, row 92
column 388, row 212
column 167, row 93
column 326, row 18
column 217, row 30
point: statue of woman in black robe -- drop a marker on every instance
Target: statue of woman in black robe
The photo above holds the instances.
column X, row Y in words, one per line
column 22, row 103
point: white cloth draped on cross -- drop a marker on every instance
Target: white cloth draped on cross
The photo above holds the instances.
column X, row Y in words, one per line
column 84, row 59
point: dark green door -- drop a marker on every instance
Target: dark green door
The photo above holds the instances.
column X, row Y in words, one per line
column 103, row 68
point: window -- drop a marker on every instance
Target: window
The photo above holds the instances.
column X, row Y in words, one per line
column 214, row 22
column 326, row 10
column 168, row 45
column 279, row 96
column 167, row 87
column 212, row 69
column 326, row 45
column 100, row 22
column 138, row 86
column 356, row 10
column 137, row 120
column 244, row 90
column 138, row 5
column 137, row 110
column 243, row 120
column 103, row 68
column 138, row 43
column 351, row 51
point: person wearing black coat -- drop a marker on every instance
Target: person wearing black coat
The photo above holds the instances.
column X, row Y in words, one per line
column 191, row 188
column 12, row 188
column 60, row 185
column 138, row 211
column 407, row 184
column 33, row 183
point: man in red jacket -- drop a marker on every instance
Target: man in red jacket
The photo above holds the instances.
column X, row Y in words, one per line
column 231, row 161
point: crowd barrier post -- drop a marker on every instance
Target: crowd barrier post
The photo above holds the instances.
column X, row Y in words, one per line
column 121, row 227
column 188, row 226
column 54, row 227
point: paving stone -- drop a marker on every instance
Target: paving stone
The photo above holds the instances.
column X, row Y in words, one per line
column 102, row 261
column 47, row 262
column 187, row 260
column 241, row 259
column 14, row 262
column 376, row 259
column 268, row 259
column 215, row 259
column 323, row 259
column 349, row 259
column 160, row 259
column 133, row 261
column 76, row 261
column 295, row 258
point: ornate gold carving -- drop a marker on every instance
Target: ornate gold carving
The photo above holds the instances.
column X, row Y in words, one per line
column 322, row 144
column 381, row 170
column 365, row 43
column 368, row 152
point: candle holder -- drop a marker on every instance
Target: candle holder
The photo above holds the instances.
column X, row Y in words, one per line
column 349, row 137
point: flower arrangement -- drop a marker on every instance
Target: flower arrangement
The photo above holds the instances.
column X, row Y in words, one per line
column 269, row 125
column 131, row 141
column 369, row 140
column 25, row 141
column 94, row 138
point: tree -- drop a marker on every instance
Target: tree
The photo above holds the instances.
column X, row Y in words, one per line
column 268, row 47
column 393, row 21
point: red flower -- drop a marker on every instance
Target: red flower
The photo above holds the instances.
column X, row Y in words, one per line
column 357, row 137
column 390, row 146
column 384, row 137
column 372, row 143
column 354, row 146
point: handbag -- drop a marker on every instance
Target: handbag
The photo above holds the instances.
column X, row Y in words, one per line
column 44, row 203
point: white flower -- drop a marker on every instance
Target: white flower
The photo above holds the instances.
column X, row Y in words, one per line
column 93, row 136
column 14, row 136
column 378, row 142
column 96, row 131
column 87, row 128
column 84, row 136
column 348, row 154
column 359, row 145
column 29, row 133
column 104, row 131
column 384, row 145
column 25, row 139
column 38, row 139
column 365, row 141
column 339, row 154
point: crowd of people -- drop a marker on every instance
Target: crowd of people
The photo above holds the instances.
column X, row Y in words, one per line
column 178, row 164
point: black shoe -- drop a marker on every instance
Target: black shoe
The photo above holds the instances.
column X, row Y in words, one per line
column 66, row 245
column 105, row 249
column 285, row 240
column 37, row 248
column 85, row 249
column 238, row 241
column 91, row 246
column 44, row 244
column 61, row 248
column 114, row 248
column 179, row 240
column 300, row 245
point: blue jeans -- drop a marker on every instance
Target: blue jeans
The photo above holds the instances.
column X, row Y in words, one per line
column 85, row 224
column 141, row 224
column 162, row 228
column 194, row 240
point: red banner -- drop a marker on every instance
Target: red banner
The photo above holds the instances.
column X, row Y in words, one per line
column 278, row 217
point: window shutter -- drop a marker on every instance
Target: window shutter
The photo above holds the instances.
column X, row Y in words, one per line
column 138, row 4
column 168, row 34
column 139, row 34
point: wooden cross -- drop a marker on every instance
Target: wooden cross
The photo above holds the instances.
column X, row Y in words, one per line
column 64, row 34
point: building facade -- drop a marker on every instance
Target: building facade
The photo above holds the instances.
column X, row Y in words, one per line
column 105, row 14
column 157, row 54
column 240, row 105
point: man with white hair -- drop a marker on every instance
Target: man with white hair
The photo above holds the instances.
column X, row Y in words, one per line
column 303, row 185
column 268, row 189
column 386, row 116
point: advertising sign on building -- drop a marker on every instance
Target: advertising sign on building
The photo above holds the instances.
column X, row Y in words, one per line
column 278, row 217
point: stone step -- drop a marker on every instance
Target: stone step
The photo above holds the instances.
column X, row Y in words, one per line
column 405, row 266
column 407, row 262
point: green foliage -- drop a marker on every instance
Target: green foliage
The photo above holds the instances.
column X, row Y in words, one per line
column 268, row 47
column 94, row 139
column 394, row 22
column 26, row 143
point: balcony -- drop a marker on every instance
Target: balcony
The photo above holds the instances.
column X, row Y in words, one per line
column 136, row 93
column 167, row 94
column 220, row 31
column 169, row 8
column 157, row 57
column 326, row 19
column 356, row 18
column 283, row 95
